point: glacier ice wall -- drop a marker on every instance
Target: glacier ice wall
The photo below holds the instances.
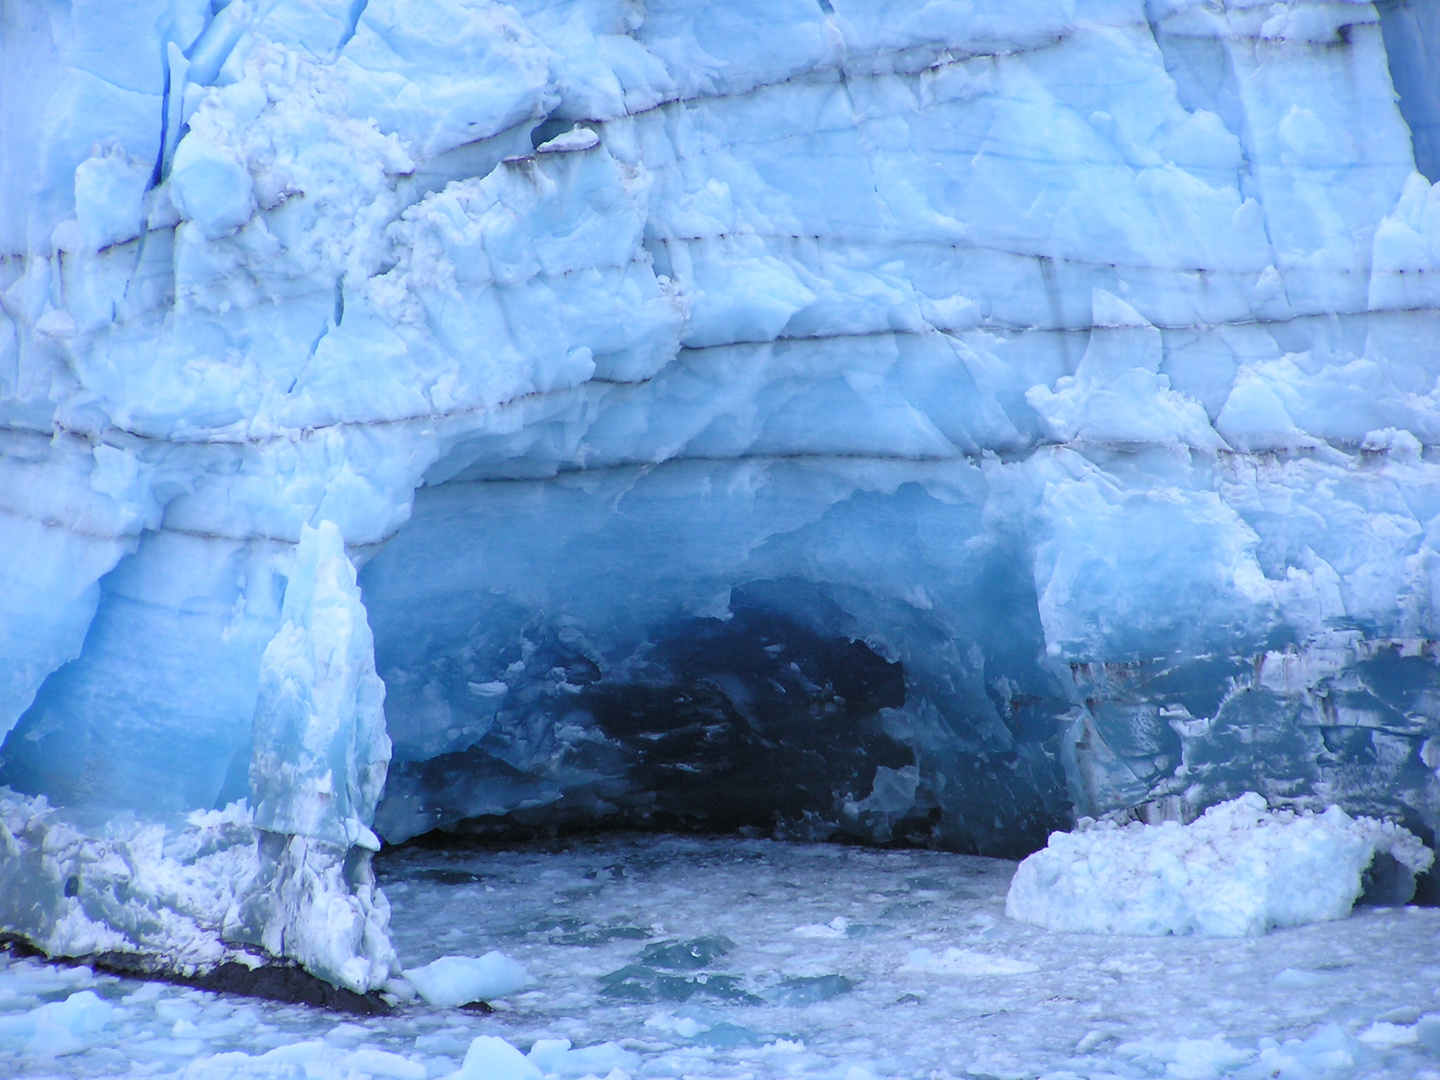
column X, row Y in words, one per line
column 840, row 417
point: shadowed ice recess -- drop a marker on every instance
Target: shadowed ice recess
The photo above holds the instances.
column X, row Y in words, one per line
column 856, row 420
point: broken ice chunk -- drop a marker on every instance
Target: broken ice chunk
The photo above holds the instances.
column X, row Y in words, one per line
column 554, row 1057
column 1237, row 871
column 458, row 980
column 492, row 1058
column 803, row 990
column 686, row 955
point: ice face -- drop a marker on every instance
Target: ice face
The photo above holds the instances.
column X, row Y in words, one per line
column 838, row 419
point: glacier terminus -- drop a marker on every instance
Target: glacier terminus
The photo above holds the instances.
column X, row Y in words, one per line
column 904, row 423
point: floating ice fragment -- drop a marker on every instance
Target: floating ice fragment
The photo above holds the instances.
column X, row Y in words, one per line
column 835, row 928
column 1239, row 870
column 637, row 982
column 1329, row 1052
column 955, row 961
column 372, row 1062
column 799, row 991
column 1383, row 1036
column 554, row 1057
column 1187, row 1059
column 492, row 1058
column 687, row 955
column 459, row 980
column 56, row 1028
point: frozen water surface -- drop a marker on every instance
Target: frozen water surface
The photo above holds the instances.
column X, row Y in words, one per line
column 726, row 957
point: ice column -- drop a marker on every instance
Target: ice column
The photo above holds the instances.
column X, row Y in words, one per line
column 316, row 773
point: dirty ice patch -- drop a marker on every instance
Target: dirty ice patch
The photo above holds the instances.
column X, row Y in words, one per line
column 1237, row 871
column 458, row 980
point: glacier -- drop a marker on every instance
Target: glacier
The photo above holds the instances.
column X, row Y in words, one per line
column 889, row 421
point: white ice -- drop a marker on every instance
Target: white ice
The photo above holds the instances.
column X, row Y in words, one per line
column 1240, row 869
column 457, row 980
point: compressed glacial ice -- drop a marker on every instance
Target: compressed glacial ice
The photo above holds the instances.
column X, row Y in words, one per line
column 940, row 982
column 838, row 420
column 1240, row 869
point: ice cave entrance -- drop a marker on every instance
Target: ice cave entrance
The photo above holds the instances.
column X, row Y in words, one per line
column 599, row 653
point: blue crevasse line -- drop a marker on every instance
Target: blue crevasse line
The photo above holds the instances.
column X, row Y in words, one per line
column 158, row 173
column 1411, row 31
column 352, row 22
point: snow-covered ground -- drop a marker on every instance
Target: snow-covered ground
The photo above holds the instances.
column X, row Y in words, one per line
column 794, row 960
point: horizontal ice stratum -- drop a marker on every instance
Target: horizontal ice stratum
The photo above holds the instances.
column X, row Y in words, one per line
column 872, row 419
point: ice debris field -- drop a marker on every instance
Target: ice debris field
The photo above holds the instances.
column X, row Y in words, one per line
column 664, row 956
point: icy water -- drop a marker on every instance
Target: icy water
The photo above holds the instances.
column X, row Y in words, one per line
column 748, row 958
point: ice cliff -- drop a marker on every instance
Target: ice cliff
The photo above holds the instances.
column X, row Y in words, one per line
column 836, row 417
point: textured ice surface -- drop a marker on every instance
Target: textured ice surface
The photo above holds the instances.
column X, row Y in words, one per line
column 846, row 418
column 1347, row 999
column 317, row 770
column 159, row 892
column 1240, row 869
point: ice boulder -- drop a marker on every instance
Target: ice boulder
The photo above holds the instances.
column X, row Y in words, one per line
column 1239, row 870
column 210, row 187
column 459, row 980
column 492, row 1058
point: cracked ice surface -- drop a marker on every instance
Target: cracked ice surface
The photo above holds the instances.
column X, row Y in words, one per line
column 751, row 958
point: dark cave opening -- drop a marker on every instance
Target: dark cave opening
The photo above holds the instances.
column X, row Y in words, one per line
column 756, row 724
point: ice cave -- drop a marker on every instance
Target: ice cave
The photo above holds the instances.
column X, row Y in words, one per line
column 588, row 538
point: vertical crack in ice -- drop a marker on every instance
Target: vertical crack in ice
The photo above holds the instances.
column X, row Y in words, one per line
column 158, row 174
column 1236, row 118
column 352, row 23
column 337, row 313
column 1411, row 32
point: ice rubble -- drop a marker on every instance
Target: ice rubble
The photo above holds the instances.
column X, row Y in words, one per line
column 1355, row 998
column 1034, row 402
column 1240, row 869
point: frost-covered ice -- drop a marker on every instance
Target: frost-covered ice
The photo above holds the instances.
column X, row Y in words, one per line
column 1240, row 869
column 669, row 957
